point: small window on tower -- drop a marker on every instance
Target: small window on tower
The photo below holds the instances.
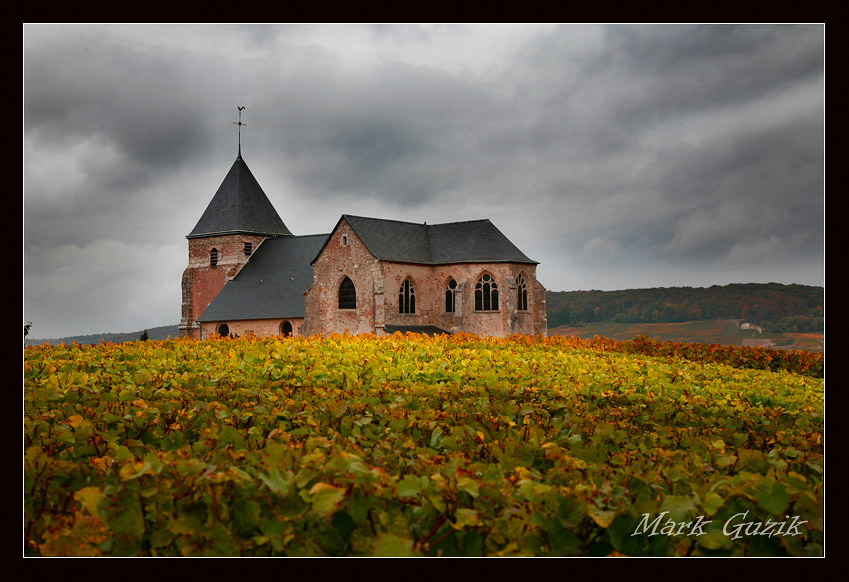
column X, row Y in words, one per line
column 213, row 258
column 249, row 248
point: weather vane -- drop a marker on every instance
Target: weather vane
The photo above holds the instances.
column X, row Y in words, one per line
column 240, row 124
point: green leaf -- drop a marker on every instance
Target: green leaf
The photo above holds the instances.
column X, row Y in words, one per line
column 338, row 411
column 435, row 437
column 276, row 483
column 678, row 507
column 773, row 497
column 723, row 461
column 388, row 545
column 246, row 514
column 326, row 498
column 468, row 485
column 409, row 486
column 712, row 502
column 714, row 540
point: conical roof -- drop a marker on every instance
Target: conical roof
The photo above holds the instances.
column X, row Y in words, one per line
column 239, row 207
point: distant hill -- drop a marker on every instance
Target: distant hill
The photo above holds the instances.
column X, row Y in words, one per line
column 773, row 306
column 154, row 333
column 709, row 331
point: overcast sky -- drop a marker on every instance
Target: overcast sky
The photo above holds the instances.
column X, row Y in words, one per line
column 617, row 156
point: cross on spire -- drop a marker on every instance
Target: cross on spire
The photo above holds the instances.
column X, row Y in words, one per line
column 240, row 124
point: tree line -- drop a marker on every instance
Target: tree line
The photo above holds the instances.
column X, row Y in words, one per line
column 773, row 306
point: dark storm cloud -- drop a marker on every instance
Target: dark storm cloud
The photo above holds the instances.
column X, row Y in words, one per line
column 708, row 127
column 144, row 104
column 392, row 131
column 105, row 123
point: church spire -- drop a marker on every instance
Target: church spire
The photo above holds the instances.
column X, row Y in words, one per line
column 240, row 124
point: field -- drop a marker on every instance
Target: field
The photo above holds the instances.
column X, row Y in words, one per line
column 408, row 445
column 720, row 331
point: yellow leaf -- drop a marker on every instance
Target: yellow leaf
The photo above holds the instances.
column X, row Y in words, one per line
column 466, row 518
column 601, row 517
column 134, row 470
column 99, row 463
column 90, row 498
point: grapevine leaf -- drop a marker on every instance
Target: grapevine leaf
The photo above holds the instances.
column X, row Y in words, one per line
column 326, row 498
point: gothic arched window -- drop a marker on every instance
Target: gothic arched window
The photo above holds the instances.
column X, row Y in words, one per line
column 450, row 290
column 213, row 258
column 522, row 293
column 486, row 294
column 406, row 298
column 347, row 295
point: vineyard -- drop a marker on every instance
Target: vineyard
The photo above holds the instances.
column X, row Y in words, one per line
column 417, row 446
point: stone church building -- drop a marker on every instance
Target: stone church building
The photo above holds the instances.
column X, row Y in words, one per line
column 249, row 274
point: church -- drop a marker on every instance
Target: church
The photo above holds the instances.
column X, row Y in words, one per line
column 248, row 274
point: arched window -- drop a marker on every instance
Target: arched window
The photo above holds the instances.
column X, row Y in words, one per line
column 406, row 298
column 486, row 294
column 223, row 330
column 522, row 293
column 213, row 258
column 450, row 290
column 347, row 295
column 286, row 329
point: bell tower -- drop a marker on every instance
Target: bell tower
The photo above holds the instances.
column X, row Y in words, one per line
column 238, row 219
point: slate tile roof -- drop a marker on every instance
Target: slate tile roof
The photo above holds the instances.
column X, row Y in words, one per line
column 239, row 206
column 475, row 241
column 430, row 330
column 271, row 284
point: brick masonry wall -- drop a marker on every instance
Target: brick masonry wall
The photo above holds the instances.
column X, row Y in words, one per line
column 202, row 281
column 257, row 327
column 430, row 284
column 344, row 256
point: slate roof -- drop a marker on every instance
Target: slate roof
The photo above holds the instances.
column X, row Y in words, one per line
column 239, row 206
column 475, row 241
column 272, row 283
column 430, row 330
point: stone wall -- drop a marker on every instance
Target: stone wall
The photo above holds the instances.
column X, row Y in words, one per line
column 343, row 256
column 257, row 327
